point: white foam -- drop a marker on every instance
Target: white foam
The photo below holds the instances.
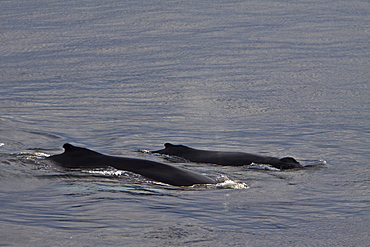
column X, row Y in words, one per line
column 229, row 184
column 105, row 172
column 262, row 167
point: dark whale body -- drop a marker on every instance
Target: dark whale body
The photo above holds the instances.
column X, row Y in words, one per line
column 77, row 157
column 226, row 158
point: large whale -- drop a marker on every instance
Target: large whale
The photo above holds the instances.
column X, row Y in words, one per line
column 226, row 158
column 78, row 157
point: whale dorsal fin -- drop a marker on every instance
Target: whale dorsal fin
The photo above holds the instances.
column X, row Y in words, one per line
column 168, row 145
column 68, row 147
column 289, row 160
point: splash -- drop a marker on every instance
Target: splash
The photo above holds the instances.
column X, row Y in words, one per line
column 229, row 184
column 223, row 182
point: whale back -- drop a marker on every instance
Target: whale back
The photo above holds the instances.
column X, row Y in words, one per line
column 78, row 157
column 226, row 158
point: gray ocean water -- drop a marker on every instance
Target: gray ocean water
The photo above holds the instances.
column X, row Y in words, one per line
column 279, row 78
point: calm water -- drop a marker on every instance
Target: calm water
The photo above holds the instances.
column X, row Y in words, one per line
column 270, row 77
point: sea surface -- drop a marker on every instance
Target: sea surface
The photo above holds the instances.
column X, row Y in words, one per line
column 277, row 78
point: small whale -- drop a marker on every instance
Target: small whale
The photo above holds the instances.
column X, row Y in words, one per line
column 226, row 158
column 78, row 157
